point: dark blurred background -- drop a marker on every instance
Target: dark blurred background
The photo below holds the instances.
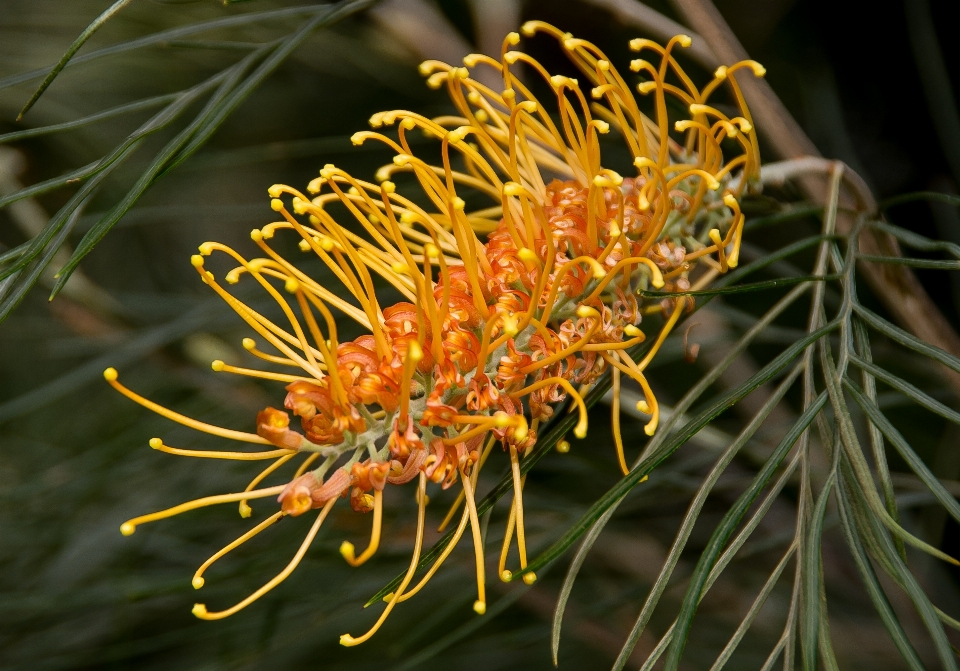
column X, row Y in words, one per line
column 74, row 460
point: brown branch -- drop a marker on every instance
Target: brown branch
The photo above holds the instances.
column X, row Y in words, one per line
column 896, row 286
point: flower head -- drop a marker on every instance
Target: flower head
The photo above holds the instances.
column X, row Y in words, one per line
column 512, row 307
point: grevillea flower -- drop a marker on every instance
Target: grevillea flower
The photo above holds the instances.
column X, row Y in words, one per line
column 512, row 307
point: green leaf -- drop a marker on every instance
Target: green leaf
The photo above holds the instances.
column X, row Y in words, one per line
column 26, row 278
column 732, row 519
column 626, row 484
column 862, row 344
column 120, row 110
column 907, row 339
column 789, row 214
column 751, row 615
column 106, row 165
column 857, row 461
column 912, row 263
column 88, row 32
column 909, row 390
column 141, row 343
column 567, row 587
column 223, row 103
column 916, row 240
column 919, row 195
column 875, row 591
column 811, row 576
column 51, row 184
column 682, row 406
column 903, row 448
column 885, row 553
column 39, row 245
column 103, row 226
column 165, row 36
column 741, row 288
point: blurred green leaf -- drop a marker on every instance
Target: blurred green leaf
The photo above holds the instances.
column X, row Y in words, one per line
column 88, row 32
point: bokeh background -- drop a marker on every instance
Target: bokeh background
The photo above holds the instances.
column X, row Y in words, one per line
column 74, row 460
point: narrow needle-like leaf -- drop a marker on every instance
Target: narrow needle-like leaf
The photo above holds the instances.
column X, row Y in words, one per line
column 88, row 32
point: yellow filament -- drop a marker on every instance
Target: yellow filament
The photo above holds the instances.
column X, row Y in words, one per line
column 656, row 281
column 580, row 430
column 458, row 534
column 671, row 322
column 198, row 580
column 130, row 526
column 314, row 244
column 518, row 506
column 615, row 421
column 396, row 232
column 245, row 510
column 482, row 428
column 598, row 272
column 480, row 605
column 564, row 353
column 608, row 346
column 359, row 282
column 661, row 109
column 251, row 346
column 347, row 639
column 554, row 135
column 649, row 405
column 157, row 444
column 428, row 299
column 734, row 258
column 503, row 572
column 367, row 201
column 208, row 248
column 617, row 234
column 476, row 471
column 110, row 375
column 266, row 328
column 200, row 610
column 327, row 352
column 479, row 419
column 548, row 336
column 347, row 549
column 220, row 366
column 721, row 253
column 466, row 237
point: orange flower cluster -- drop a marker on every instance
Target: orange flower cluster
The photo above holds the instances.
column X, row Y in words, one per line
column 496, row 334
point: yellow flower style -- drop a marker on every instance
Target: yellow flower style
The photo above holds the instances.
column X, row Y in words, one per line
column 511, row 309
